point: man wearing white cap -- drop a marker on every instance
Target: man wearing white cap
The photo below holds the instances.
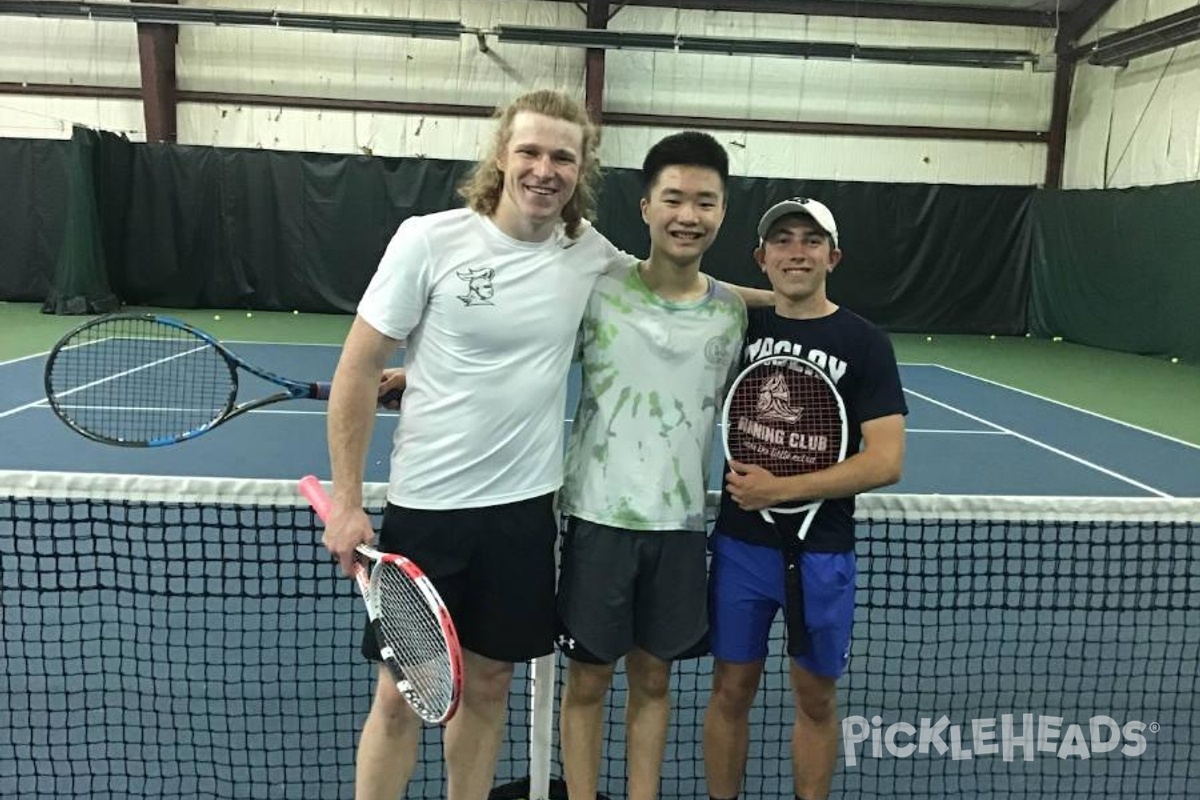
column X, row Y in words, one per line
column 798, row 248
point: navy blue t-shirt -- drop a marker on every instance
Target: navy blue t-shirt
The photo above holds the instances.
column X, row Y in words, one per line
column 858, row 357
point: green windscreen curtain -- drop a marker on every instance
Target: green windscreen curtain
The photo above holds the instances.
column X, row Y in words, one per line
column 1119, row 269
column 95, row 206
column 228, row 228
column 192, row 227
column 917, row 257
column 33, row 180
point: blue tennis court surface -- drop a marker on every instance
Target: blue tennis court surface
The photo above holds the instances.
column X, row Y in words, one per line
column 195, row 647
column 966, row 436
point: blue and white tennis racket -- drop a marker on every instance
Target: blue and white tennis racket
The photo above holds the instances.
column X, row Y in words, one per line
column 144, row 380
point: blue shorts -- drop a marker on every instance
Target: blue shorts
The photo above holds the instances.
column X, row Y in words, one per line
column 745, row 591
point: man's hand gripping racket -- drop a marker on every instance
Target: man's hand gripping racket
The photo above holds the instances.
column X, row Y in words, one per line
column 784, row 414
column 416, row 636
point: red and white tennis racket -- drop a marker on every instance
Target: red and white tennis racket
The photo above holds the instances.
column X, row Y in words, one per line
column 785, row 415
column 416, row 636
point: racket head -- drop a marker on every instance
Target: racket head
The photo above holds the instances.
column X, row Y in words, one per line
column 139, row 380
column 784, row 414
column 416, row 636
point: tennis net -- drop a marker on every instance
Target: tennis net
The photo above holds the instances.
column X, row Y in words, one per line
column 190, row 638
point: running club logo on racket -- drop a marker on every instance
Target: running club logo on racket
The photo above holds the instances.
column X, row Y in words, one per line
column 782, row 416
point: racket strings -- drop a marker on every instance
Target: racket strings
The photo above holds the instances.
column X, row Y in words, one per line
column 132, row 379
column 785, row 419
column 412, row 630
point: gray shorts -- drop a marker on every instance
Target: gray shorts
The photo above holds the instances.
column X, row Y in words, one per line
column 619, row 588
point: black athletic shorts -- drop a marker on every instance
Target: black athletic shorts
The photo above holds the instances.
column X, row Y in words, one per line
column 493, row 567
column 621, row 589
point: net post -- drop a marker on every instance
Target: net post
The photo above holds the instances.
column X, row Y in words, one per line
column 541, row 725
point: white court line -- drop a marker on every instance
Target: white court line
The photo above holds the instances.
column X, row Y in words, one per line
column 1043, row 445
column 1068, row 406
column 19, row 359
column 42, row 401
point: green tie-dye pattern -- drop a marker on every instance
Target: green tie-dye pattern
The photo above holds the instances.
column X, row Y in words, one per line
column 680, row 490
column 624, row 516
column 619, row 427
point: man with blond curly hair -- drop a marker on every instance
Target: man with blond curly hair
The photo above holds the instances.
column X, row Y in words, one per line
column 489, row 298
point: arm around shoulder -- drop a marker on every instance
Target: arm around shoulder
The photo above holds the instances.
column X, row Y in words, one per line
column 753, row 298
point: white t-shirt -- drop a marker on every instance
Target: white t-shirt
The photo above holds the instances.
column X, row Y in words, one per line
column 490, row 323
column 654, row 379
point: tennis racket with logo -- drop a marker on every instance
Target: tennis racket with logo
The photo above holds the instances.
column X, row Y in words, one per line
column 143, row 380
column 785, row 415
column 411, row 624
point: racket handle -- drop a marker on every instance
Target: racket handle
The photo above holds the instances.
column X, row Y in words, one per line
column 391, row 397
column 321, row 390
column 314, row 493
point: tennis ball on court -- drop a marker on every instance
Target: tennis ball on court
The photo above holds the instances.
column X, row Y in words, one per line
column 1057, row 339
column 217, row 317
column 929, row 338
column 992, row 337
column 248, row 315
column 1174, row 359
column 295, row 311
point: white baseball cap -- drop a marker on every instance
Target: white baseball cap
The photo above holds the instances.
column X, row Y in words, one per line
column 819, row 213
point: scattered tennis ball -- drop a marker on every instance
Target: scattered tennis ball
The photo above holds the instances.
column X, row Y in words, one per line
column 929, row 338
column 217, row 317
column 1028, row 335
column 294, row 311
column 1057, row 339
column 992, row 337
column 248, row 315
column 1174, row 359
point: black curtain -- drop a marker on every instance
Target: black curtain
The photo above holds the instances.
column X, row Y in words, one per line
column 938, row 259
column 192, row 227
column 33, row 179
column 1119, row 269
column 94, row 217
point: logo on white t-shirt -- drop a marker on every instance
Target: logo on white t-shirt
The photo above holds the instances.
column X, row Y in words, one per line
column 479, row 288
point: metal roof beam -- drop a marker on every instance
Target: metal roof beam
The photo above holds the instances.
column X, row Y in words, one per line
column 916, row 12
column 626, row 40
column 1117, row 49
column 191, row 15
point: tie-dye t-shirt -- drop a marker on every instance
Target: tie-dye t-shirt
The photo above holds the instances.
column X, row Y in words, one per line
column 654, row 378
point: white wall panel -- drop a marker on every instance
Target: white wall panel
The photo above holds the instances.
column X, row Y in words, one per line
column 314, row 64
column 828, row 91
column 28, row 117
column 68, row 51
column 334, row 131
column 849, row 158
column 1137, row 125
